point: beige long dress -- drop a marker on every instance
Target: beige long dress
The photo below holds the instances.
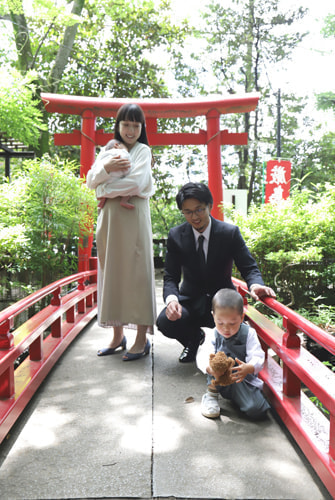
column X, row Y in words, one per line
column 126, row 285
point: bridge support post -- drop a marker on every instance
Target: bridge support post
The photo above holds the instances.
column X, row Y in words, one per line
column 7, row 388
column 332, row 437
column 291, row 383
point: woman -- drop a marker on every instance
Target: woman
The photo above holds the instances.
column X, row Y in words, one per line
column 126, row 293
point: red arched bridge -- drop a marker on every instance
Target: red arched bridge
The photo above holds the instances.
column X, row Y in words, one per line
column 289, row 367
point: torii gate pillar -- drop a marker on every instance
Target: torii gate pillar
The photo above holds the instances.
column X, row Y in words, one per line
column 214, row 160
column 87, row 150
column 87, row 157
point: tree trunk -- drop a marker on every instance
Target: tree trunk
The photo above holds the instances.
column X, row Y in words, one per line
column 64, row 50
column 22, row 41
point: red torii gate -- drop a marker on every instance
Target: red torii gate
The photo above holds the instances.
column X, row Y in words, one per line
column 211, row 107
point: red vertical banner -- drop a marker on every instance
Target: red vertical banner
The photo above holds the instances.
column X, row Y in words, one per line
column 278, row 180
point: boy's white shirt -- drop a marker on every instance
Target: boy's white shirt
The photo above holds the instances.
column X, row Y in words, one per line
column 254, row 352
column 138, row 182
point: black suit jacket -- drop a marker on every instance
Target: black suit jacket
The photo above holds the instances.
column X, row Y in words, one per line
column 182, row 274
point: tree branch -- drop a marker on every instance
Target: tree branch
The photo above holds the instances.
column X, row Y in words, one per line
column 65, row 49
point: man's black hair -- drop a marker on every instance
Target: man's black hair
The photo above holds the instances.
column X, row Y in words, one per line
column 195, row 190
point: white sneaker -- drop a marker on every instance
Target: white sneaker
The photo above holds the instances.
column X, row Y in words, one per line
column 210, row 405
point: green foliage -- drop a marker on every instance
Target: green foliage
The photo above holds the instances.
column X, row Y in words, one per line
column 164, row 211
column 44, row 212
column 10, row 5
column 110, row 47
column 312, row 159
column 319, row 405
column 114, row 61
column 14, row 248
column 100, row 48
column 328, row 30
column 245, row 39
column 50, row 12
column 326, row 100
column 320, row 314
column 243, row 35
column 20, row 117
column 294, row 244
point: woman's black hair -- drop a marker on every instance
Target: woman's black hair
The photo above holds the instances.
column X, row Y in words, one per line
column 132, row 113
column 195, row 190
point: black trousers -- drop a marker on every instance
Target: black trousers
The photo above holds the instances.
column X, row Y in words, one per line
column 187, row 329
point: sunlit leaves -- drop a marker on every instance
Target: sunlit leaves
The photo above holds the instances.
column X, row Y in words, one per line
column 43, row 212
column 20, row 117
column 289, row 239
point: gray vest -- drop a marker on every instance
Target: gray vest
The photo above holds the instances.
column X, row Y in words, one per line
column 235, row 346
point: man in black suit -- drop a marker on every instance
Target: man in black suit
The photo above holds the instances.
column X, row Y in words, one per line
column 205, row 266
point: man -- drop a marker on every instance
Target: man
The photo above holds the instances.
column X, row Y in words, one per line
column 205, row 266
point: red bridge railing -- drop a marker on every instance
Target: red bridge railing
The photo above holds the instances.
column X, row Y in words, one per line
column 288, row 369
column 45, row 335
column 48, row 333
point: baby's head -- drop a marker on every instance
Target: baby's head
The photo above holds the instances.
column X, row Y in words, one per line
column 227, row 310
column 115, row 144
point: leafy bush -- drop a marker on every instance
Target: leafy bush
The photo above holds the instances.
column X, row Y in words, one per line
column 44, row 211
column 294, row 244
column 20, row 117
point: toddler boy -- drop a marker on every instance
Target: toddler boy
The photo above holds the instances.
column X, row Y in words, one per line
column 240, row 342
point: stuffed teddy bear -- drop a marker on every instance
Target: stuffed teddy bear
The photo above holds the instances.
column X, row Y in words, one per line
column 221, row 364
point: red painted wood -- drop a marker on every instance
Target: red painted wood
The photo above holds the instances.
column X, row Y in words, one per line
column 313, row 432
column 17, row 387
column 36, row 349
column 153, row 108
column 214, row 161
column 7, row 383
column 6, row 337
column 156, row 139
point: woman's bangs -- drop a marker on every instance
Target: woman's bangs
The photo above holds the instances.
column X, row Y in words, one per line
column 133, row 114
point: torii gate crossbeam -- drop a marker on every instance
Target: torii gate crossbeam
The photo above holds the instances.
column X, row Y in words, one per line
column 89, row 108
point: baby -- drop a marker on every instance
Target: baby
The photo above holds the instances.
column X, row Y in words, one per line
column 114, row 149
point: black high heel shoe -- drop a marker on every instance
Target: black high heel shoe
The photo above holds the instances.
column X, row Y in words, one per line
column 106, row 351
column 130, row 356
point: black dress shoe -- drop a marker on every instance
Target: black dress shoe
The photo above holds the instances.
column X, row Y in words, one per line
column 190, row 351
column 188, row 354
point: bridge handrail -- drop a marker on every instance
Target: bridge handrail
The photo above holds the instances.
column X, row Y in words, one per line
column 282, row 383
column 312, row 430
column 41, row 339
column 23, row 304
column 299, row 322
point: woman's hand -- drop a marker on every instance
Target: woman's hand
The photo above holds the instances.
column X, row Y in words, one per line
column 117, row 163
